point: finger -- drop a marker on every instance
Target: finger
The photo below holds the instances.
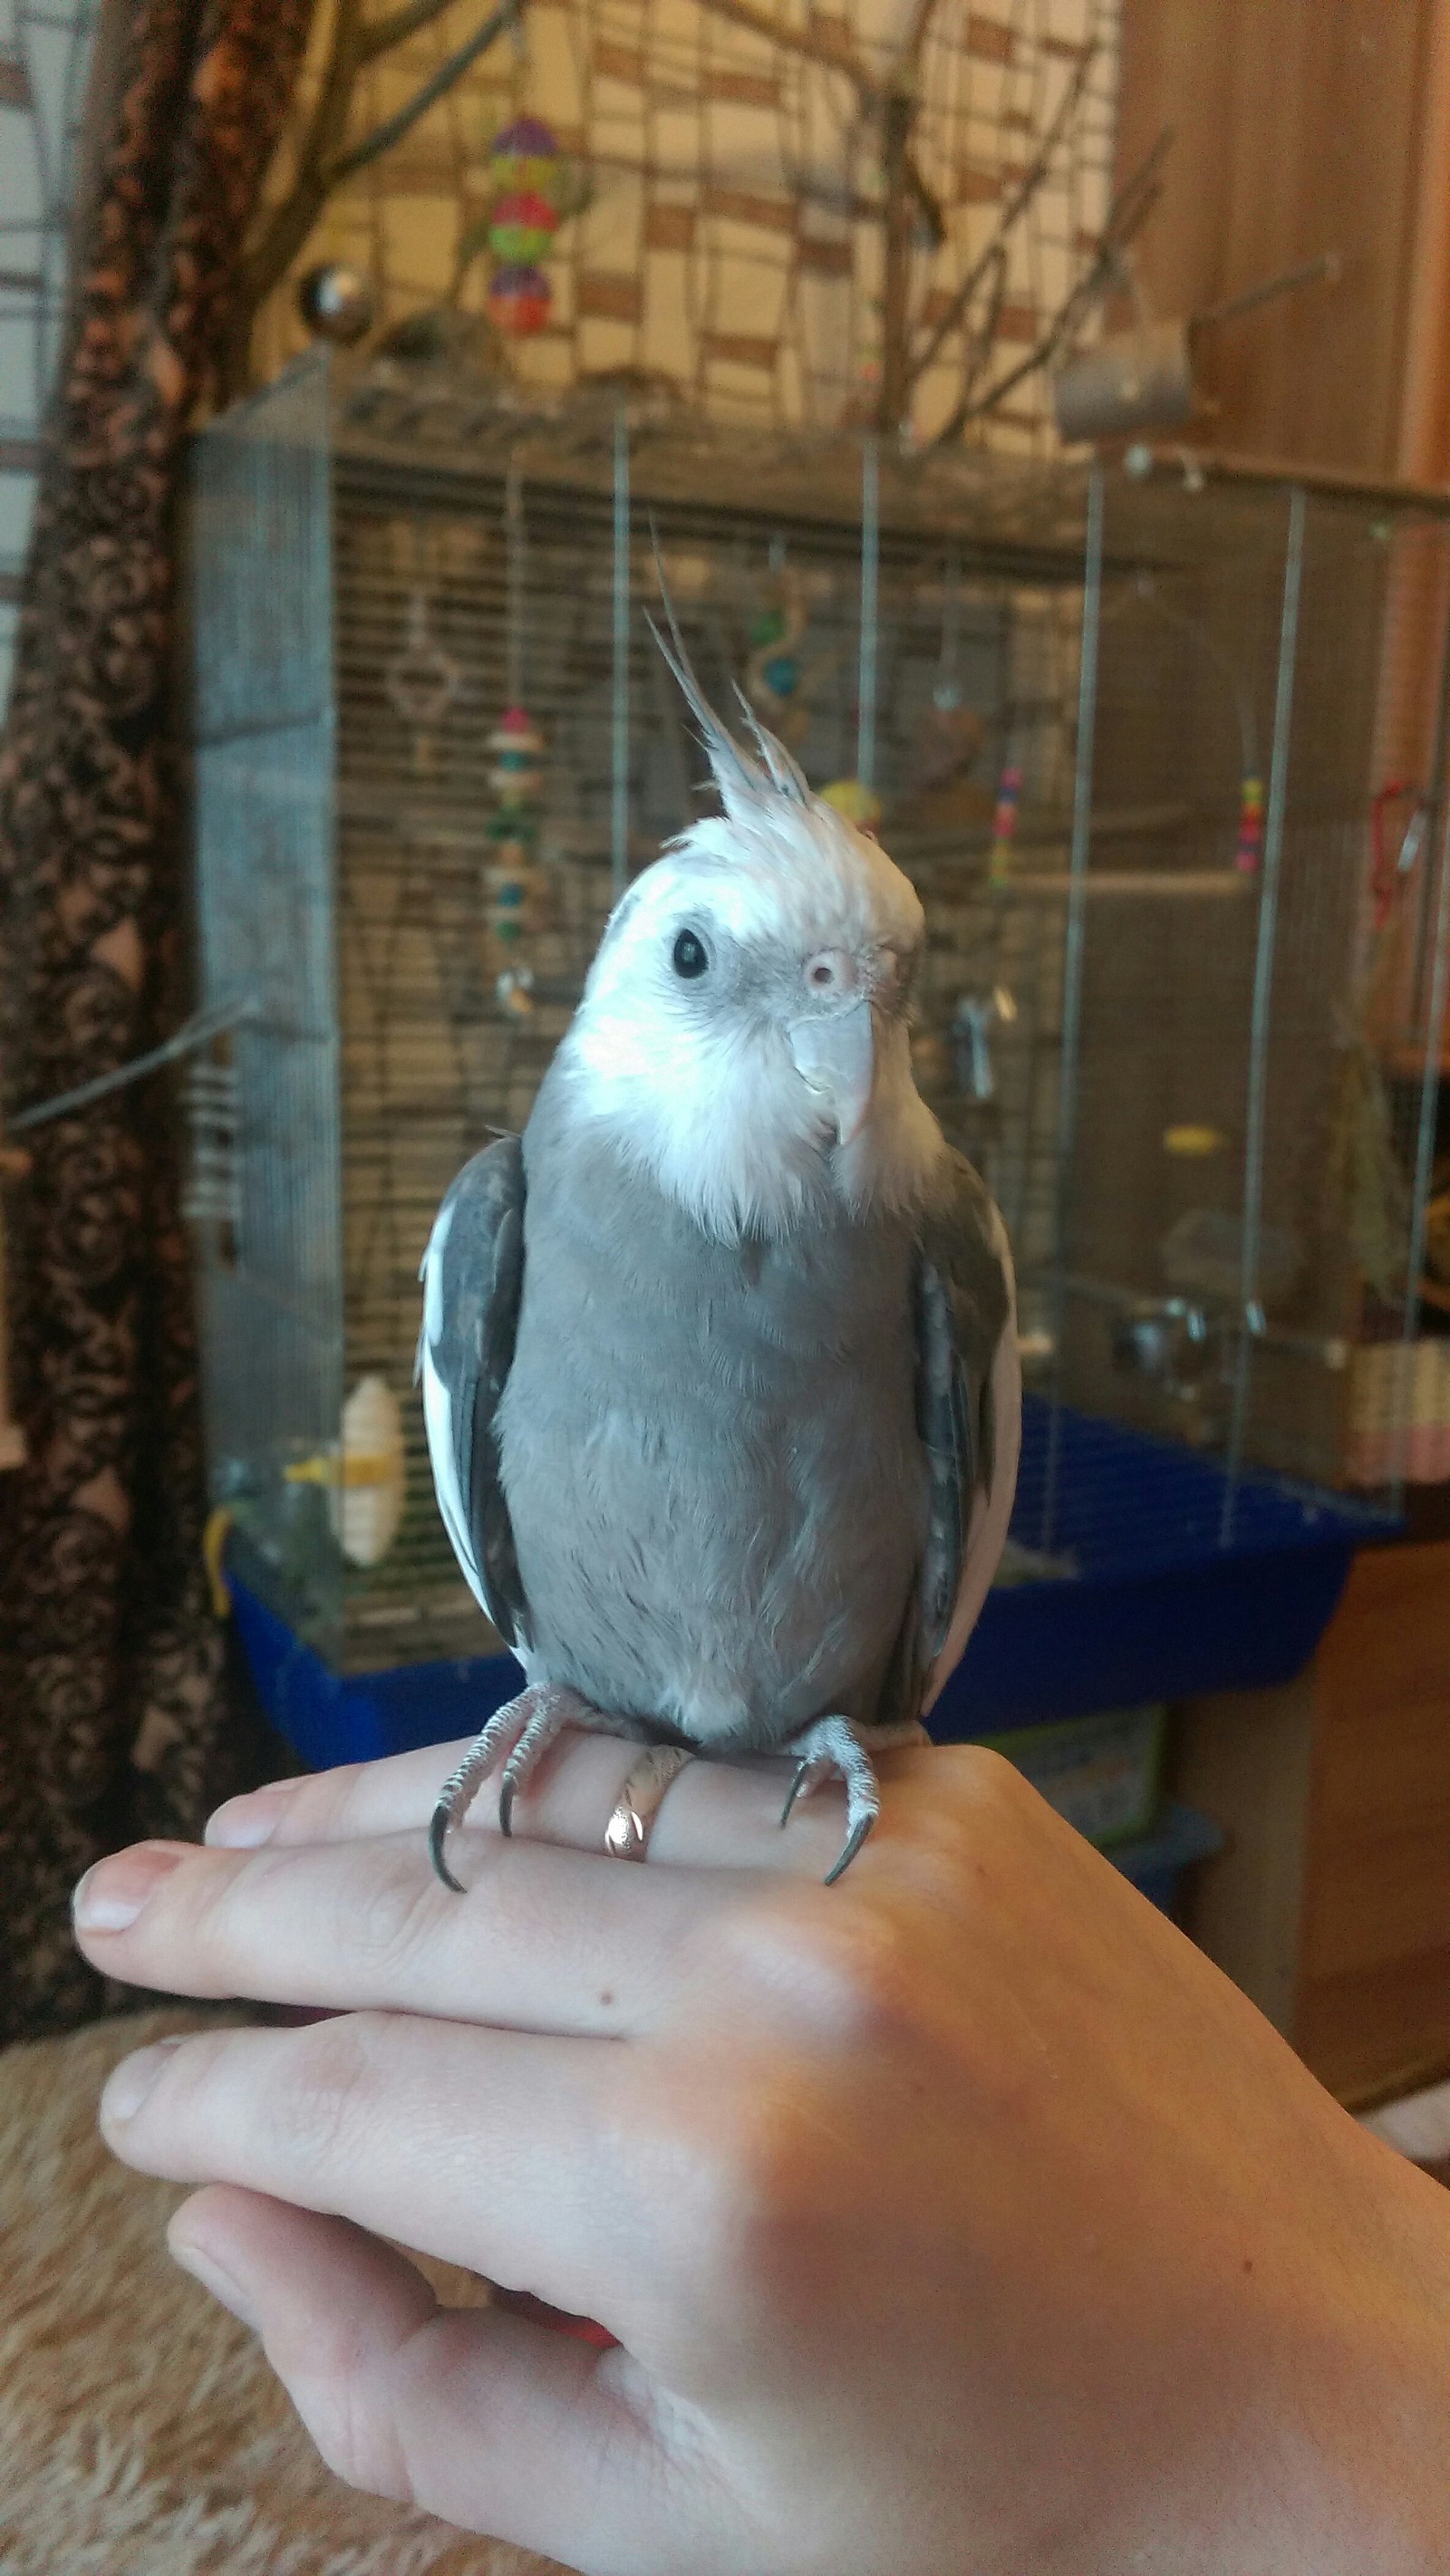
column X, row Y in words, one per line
column 495, row 2424
column 714, row 1815
column 550, row 2165
column 545, row 1939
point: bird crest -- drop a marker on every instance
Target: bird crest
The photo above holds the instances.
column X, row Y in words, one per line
column 746, row 781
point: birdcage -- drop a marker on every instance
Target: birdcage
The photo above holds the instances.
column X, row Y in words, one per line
column 1163, row 753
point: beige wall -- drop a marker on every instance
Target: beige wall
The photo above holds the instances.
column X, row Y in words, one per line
column 733, row 242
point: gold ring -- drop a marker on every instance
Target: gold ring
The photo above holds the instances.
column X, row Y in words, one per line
column 626, row 1836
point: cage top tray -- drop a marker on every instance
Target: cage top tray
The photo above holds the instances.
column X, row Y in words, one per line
column 1025, row 514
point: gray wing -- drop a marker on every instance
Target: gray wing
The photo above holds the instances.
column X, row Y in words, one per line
column 964, row 1306
column 472, row 1278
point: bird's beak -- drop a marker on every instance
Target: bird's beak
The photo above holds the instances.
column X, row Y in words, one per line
column 836, row 1056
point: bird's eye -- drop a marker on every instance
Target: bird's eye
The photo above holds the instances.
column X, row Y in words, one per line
column 688, row 957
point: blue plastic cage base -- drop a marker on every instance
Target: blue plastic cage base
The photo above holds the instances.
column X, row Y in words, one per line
column 1160, row 1605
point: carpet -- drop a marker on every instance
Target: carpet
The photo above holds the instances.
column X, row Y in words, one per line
column 141, row 2431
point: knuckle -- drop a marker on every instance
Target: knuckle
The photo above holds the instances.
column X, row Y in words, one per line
column 326, row 2098
column 972, row 1809
column 847, row 1972
column 352, row 2428
column 323, row 1804
column 399, row 1917
column 980, row 1782
column 184, row 2093
column 761, row 2185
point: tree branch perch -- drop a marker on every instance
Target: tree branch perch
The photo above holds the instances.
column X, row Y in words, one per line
column 379, row 35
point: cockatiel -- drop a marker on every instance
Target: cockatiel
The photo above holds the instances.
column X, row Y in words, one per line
column 719, row 1359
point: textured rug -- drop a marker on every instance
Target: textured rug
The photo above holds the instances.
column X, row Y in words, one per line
column 141, row 2431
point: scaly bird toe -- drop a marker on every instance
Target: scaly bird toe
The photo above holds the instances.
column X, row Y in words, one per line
column 522, row 1727
column 518, row 1735
column 832, row 1749
column 555, row 1710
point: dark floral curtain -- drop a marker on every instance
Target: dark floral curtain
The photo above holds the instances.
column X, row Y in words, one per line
column 112, row 1706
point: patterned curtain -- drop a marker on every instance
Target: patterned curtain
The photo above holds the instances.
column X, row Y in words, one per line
column 112, row 1706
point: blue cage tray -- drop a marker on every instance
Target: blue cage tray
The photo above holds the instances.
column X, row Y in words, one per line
column 1155, row 1603
column 1159, row 1604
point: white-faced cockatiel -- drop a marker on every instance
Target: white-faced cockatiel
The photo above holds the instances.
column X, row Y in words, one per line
column 719, row 1358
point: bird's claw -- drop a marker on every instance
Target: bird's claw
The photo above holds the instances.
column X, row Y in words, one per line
column 522, row 1730
column 833, row 1749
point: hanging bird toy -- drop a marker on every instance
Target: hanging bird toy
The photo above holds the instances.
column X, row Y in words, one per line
column 773, row 672
column 1249, row 847
column 519, row 301
column 526, row 170
column 950, row 734
column 516, row 779
column 1004, row 824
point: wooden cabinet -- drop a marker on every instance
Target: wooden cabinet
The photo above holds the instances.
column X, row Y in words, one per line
column 1331, row 1905
column 1298, row 128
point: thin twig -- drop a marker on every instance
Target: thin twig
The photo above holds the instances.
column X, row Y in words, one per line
column 1021, row 197
column 291, row 220
column 1123, row 210
column 834, row 54
column 1089, row 286
column 910, row 54
column 393, row 128
column 321, row 160
column 983, row 340
column 379, row 35
column 930, row 204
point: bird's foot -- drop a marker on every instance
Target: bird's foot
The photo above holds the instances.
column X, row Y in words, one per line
column 516, row 1735
column 832, row 1749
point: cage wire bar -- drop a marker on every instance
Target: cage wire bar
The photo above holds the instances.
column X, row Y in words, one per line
column 870, row 614
column 619, row 738
column 1436, row 1067
column 1072, row 966
column 1247, row 1017
column 1250, row 1315
column 1429, row 1017
column 365, row 571
column 265, row 734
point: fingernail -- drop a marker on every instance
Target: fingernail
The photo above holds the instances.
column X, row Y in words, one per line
column 112, row 1893
column 129, row 2083
column 205, row 2268
column 243, row 1823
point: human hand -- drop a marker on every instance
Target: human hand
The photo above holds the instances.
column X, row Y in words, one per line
column 960, row 2217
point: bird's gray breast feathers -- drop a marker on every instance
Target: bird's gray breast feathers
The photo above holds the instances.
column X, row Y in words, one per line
column 727, row 1487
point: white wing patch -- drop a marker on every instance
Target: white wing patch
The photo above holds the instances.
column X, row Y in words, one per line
column 443, row 1456
column 431, row 1272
